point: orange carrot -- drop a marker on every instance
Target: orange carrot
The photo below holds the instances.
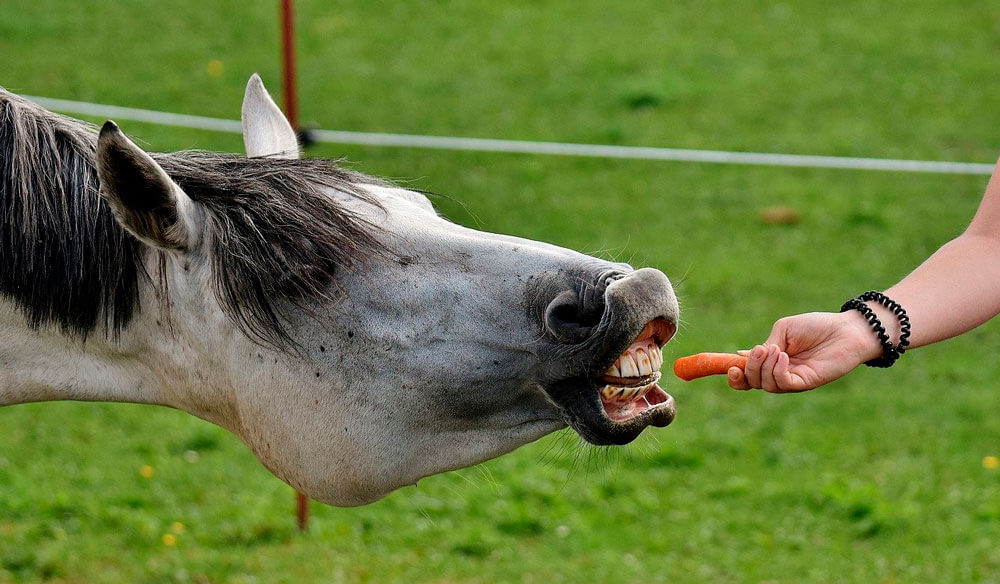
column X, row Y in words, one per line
column 702, row 364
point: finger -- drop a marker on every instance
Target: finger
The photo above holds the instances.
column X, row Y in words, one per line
column 752, row 370
column 737, row 379
column 744, row 352
column 788, row 381
column 782, row 378
column 767, row 381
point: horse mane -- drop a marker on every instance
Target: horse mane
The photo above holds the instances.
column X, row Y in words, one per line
column 274, row 237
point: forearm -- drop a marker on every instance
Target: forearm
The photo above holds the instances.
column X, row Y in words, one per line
column 953, row 291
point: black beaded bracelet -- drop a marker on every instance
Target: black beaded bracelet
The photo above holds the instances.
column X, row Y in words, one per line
column 890, row 352
column 898, row 311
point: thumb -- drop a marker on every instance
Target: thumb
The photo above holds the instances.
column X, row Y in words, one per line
column 737, row 379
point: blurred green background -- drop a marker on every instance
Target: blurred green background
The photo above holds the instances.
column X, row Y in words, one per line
column 882, row 477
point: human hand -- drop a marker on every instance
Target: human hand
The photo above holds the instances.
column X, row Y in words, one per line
column 806, row 351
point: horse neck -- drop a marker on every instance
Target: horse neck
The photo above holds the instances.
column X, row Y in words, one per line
column 44, row 364
column 145, row 363
column 69, row 289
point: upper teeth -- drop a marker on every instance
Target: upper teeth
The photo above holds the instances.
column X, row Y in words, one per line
column 639, row 360
column 628, row 366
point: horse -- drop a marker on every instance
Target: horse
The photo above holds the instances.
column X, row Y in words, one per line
column 354, row 339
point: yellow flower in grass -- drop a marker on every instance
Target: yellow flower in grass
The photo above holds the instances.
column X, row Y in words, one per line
column 146, row 471
column 991, row 462
column 214, row 67
column 177, row 527
column 169, row 539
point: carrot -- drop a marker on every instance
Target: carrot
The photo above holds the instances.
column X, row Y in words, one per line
column 702, row 364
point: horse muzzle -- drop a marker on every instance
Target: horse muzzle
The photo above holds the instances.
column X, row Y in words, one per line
column 615, row 394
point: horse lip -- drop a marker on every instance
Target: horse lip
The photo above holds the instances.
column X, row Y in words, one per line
column 602, row 430
column 580, row 402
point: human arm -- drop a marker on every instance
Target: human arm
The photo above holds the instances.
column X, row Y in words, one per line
column 953, row 291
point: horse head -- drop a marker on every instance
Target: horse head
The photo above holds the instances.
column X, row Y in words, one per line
column 353, row 338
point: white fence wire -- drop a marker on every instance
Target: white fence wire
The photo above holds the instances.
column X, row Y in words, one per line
column 528, row 147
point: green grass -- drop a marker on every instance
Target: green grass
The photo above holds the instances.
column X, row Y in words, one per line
column 877, row 478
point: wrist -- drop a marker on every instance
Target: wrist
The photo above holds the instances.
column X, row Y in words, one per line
column 889, row 321
column 873, row 306
column 866, row 345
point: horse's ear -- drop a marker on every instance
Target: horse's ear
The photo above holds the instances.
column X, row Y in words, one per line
column 266, row 131
column 144, row 199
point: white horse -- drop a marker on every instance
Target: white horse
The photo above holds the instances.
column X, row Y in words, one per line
column 351, row 337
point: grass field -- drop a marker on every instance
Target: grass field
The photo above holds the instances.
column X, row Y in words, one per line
column 877, row 478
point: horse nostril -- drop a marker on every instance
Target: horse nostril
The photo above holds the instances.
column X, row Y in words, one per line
column 568, row 317
column 563, row 314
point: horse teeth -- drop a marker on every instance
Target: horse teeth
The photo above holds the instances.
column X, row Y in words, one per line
column 642, row 360
column 629, row 367
column 639, row 360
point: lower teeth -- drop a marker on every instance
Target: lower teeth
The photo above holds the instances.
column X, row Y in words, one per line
column 617, row 393
column 626, row 394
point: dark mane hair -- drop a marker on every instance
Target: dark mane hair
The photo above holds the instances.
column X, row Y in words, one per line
column 274, row 236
